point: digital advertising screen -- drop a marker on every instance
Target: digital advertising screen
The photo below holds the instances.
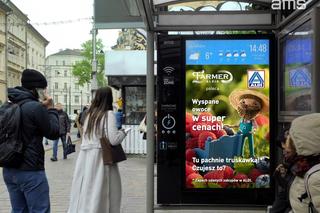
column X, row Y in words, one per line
column 227, row 113
column 296, row 70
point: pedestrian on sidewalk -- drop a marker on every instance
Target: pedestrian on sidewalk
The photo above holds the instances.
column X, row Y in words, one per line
column 304, row 135
column 96, row 188
column 64, row 132
column 27, row 184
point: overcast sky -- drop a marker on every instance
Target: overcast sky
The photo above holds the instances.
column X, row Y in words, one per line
column 67, row 35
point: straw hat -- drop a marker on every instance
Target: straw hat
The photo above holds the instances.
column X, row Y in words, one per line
column 235, row 96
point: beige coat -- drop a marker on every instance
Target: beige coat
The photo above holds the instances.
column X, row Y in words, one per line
column 96, row 188
column 305, row 133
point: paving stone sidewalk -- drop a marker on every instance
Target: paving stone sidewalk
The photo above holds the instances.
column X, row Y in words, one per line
column 133, row 175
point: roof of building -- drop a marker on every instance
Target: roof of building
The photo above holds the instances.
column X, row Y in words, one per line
column 76, row 52
column 38, row 34
column 4, row 7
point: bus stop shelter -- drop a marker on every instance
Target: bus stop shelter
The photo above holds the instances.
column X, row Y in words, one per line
column 198, row 17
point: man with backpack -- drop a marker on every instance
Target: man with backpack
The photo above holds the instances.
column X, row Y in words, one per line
column 25, row 176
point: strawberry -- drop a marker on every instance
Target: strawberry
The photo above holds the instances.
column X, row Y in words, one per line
column 203, row 138
column 195, row 180
column 196, row 133
column 189, row 119
column 188, row 128
column 242, row 180
column 228, row 172
column 217, row 177
column 190, row 154
column 262, row 120
column 192, row 143
column 219, row 133
column 204, row 116
column 253, row 174
column 189, row 122
column 189, row 169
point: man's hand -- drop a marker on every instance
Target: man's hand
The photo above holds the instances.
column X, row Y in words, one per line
column 68, row 134
column 48, row 102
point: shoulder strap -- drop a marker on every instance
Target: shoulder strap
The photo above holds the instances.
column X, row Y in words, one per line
column 310, row 172
column 105, row 126
column 20, row 103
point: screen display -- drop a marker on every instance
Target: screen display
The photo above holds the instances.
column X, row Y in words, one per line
column 227, row 113
column 295, row 89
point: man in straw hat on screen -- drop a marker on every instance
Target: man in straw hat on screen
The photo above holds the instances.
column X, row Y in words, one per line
column 248, row 103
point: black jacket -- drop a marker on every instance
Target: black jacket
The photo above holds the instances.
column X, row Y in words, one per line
column 64, row 122
column 37, row 122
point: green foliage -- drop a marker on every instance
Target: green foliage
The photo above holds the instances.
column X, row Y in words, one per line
column 83, row 69
column 243, row 167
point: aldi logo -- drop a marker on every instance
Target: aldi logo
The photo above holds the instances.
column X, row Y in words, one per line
column 256, row 79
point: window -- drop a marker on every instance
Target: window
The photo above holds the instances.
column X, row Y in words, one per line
column 66, row 73
column 56, row 99
column 65, row 86
column 57, row 72
column 65, row 99
column 56, row 85
column 76, row 86
column 88, row 99
column 76, row 99
column 57, row 63
column 63, row 63
column 88, row 87
column 135, row 104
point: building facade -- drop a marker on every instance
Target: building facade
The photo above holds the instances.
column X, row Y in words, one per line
column 36, row 49
column 4, row 11
column 62, row 85
column 21, row 47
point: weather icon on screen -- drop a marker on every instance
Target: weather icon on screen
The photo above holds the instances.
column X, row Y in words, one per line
column 243, row 54
column 236, row 54
column 228, row 54
column 194, row 56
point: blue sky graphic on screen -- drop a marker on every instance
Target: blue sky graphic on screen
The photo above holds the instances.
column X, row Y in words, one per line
column 227, row 52
column 298, row 51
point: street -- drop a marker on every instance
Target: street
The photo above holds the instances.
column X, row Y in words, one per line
column 133, row 175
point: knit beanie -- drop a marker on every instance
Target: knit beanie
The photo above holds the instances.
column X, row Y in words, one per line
column 33, row 79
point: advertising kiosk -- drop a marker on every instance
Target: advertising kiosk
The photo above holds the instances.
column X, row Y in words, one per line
column 217, row 95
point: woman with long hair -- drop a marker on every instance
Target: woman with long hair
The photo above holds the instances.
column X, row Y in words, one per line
column 96, row 188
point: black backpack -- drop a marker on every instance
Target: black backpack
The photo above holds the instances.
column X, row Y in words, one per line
column 11, row 146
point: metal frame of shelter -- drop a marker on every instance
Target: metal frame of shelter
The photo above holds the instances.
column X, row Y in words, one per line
column 154, row 17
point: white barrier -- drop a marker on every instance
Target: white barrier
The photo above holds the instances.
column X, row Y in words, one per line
column 133, row 143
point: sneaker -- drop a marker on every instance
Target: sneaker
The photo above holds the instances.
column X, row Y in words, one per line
column 64, row 157
column 53, row 159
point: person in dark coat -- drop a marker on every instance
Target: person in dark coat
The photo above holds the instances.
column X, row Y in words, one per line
column 27, row 184
column 65, row 124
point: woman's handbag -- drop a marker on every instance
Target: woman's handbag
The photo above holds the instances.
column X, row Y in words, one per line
column 70, row 146
column 111, row 154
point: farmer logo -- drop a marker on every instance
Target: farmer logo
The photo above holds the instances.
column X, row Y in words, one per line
column 256, row 79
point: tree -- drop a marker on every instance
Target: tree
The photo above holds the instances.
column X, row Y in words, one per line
column 83, row 69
